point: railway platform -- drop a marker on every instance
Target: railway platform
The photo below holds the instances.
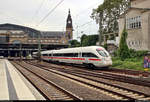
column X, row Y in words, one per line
column 13, row 85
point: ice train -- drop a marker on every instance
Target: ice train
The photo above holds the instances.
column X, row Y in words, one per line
column 91, row 56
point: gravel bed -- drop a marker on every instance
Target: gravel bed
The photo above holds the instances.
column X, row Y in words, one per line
column 34, row 79
column 125, row 85
column 78, row 89
column 121, row 84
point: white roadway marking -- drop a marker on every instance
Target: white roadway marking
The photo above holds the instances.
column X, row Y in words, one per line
column 22, row 90
column 4, row 94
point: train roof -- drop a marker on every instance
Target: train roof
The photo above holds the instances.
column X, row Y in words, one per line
column 75, row 50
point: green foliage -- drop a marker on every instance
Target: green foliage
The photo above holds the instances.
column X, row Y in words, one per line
column 129, row 63
column 84, row 40
column 105, row 46
column 74, row 43
column 92, row 39
column 134, row 53
column 108, row 13
column 89, row 40
column 123, row 51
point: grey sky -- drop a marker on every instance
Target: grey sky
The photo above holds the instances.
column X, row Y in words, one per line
column 24, row 12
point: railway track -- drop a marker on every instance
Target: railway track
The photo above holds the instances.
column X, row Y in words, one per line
column 51, row 91
column 129, row 72
column 114, row 90
column 100, row 74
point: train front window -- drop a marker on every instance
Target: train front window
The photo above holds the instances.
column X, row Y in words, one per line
column 102, row 53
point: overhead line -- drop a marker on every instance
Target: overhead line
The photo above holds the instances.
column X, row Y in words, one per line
column 85, row 24
column 83, row 11
column 37, row 11
column 50, row 12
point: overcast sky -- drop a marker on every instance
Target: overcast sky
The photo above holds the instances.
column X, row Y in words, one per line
column 31, row 12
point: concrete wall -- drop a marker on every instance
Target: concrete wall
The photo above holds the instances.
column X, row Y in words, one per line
column 149, row 30
column 121, row 27
column 145, row 30
column 135, row 35
column 139, row 36
column 140, row 3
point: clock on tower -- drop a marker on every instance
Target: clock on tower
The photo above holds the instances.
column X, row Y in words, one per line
column 69, row 27
column 69, row 22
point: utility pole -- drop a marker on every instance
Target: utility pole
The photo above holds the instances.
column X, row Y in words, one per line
column 20, row 51
column 100, row 28
column 39, row 46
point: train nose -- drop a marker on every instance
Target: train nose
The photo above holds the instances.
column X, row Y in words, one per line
column 108, row 61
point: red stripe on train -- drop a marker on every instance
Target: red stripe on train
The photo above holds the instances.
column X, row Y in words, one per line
column 73, row 58
column 66, row 58
column 95, row 59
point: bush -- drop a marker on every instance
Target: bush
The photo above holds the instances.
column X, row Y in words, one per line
column 134, row 53
column 141, row 53
column 123, row 51
column 129, row 63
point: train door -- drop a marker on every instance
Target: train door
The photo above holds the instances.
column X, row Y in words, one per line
column 52, row 56
column 86, row 58
column 79, row 58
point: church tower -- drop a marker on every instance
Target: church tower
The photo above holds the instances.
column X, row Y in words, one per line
column 69, row 27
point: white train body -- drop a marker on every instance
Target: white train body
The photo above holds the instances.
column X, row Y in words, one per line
column 92, row 55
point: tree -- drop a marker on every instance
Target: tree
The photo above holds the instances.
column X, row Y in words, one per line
column 92, row 39
column 107, row 15
column 74, row 43
column 84, row 40
column 123, row 51
column 89, row 40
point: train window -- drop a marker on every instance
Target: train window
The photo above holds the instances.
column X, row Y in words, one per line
column 102, row 53
column 84, row 54
column 75, row 55
column 89, row 55
column 61, row 55
column 93, row 55
column 45, row 55
column 70, row 54
column 54, row 54
column 58, row 54
column 66, row 54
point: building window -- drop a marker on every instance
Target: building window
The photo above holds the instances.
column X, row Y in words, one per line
column 129, row 43
column 132, row 23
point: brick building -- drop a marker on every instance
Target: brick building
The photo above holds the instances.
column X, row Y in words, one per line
column 12, row 37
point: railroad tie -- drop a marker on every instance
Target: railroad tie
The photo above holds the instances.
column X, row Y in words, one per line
column 148, row 98
column 137, row 96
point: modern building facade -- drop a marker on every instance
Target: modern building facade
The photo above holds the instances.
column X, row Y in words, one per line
column 137, row 22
